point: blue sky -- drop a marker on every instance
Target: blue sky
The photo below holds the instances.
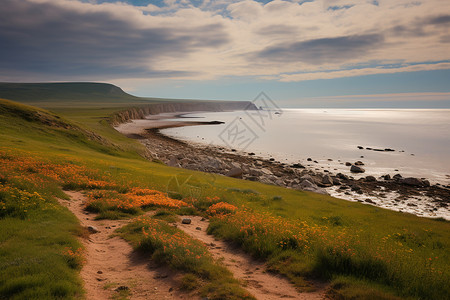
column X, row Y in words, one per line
column 322, row 53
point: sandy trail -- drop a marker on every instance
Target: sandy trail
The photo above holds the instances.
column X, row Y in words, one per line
column 263, row 285
column 111, row 262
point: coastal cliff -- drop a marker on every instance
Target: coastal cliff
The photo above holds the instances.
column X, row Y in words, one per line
column 172, row 107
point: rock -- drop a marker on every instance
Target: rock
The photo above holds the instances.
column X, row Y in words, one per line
column 348, row 164
column 327, row 180
column 370, row 179
column 198, row 228
column 173, row 162
column 271, row 159
column 356, row 188
column 306, row 177
column 251, row 153
column 389, row 150
column 235, row 173
column 122, row 288
column 369, row 201
column 360, row 147
column 397, row 177
column 268, row 179
column 255, row 172
column 386, row 177
column 92, row 229
column 186, row 221
column 411, row 181
column 309, row 159
column 297, row 166
column 426, row 183
column 306, row 185
column 336, row 181
column 266, row 171
column 342, row 176
column 356, row 169
column 359, row 163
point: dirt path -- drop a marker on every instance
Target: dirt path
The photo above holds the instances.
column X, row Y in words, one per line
column 112, row 265
column 262, row 285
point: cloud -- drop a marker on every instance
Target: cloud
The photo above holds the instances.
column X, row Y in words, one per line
column 71, row 39
column 321, row 51
column 199, row 40
column 362, row 72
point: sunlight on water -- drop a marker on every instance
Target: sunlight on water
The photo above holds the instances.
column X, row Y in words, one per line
column 323, row 134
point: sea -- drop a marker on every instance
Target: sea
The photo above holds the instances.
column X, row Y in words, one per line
column 418, row 140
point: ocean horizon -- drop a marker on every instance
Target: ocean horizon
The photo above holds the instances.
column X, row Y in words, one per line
column 331, row 137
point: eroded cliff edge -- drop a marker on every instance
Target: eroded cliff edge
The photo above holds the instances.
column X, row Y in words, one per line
column 140, row 112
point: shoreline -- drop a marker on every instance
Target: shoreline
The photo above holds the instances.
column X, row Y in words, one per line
column 409, row 195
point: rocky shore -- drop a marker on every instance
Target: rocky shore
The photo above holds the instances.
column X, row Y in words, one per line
column 411, row 195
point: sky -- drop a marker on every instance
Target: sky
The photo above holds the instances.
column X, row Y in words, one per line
column 308, row 53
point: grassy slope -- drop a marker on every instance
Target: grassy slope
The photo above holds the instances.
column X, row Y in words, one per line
column 427, row 238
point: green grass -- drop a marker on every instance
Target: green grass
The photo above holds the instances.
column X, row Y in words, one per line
column 170, row 246
column 414, row 261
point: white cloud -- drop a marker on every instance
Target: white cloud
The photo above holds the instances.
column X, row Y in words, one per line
column 287, row 40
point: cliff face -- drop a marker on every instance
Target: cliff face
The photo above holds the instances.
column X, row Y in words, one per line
column 173, row 107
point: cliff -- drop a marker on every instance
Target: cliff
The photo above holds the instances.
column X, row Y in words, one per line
column 172, row 107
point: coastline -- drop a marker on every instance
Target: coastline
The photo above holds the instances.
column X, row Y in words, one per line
column 409, row 195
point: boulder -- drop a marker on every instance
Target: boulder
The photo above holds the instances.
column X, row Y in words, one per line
column 266, row 171
column 342, row 176
column 397, row 177
column 306, row 185
column 173, row 162
column 356, row 169
column 327, row 180
column 186, row 221
column 254, row 172
column 235, row 173
column 411, row 181
column 370, row 179
column 386, row 177
column 336, row 181
column 297, row 166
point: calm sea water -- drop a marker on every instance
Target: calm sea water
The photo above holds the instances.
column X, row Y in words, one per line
column 331, row 137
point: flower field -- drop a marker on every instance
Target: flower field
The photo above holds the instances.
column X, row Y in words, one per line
column 410, row 262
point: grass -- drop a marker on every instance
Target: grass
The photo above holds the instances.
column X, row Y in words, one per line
column 363, row 251
column 170, row 246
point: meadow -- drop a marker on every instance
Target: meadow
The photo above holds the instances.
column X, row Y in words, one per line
column 364, row 252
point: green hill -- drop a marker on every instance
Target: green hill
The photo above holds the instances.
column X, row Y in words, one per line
column 71, row 91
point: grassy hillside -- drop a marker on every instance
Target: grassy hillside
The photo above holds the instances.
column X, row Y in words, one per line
column 364, row 251
column 61, row 93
